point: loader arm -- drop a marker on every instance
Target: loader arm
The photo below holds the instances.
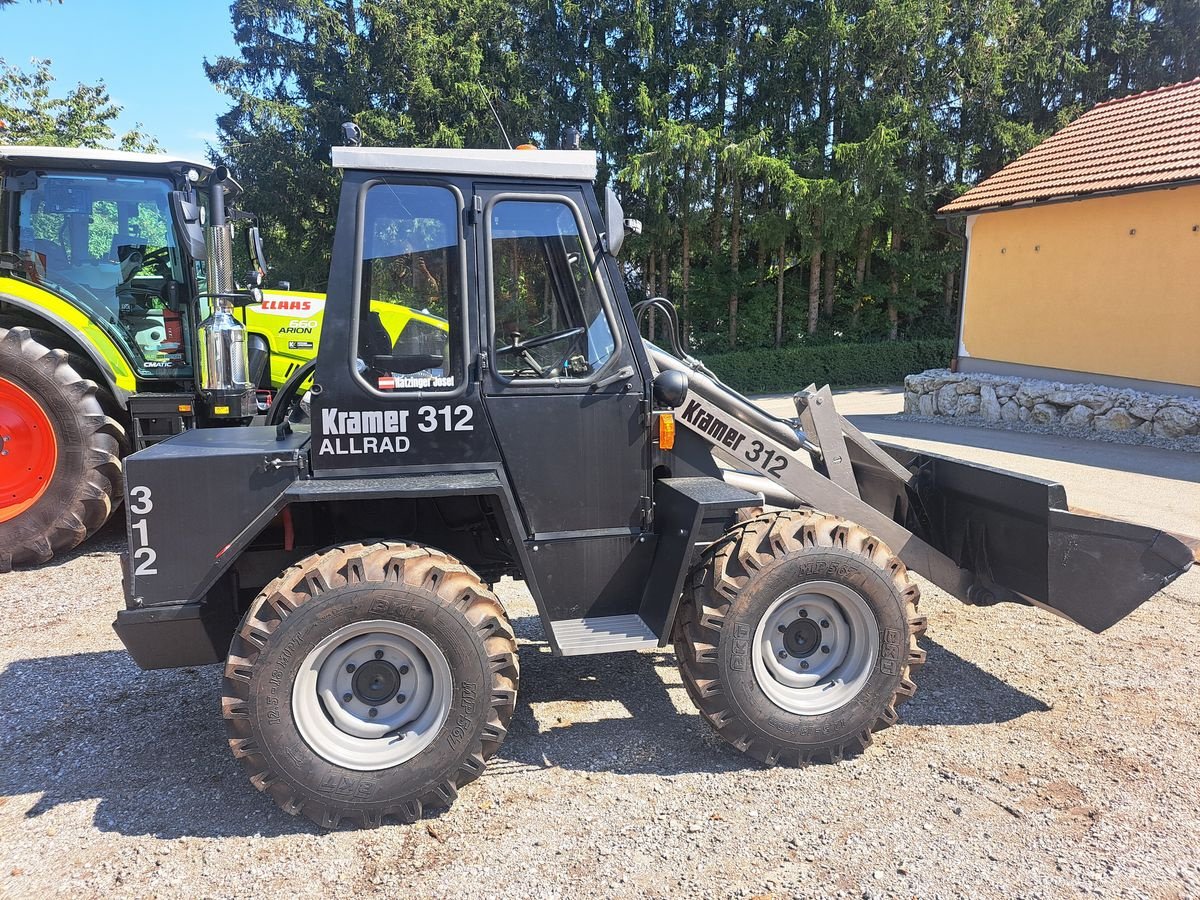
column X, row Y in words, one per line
column 982, row 534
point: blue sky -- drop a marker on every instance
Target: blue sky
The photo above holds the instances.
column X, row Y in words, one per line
column 150, row 53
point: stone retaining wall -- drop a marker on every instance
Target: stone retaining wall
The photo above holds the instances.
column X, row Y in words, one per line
column 1052, row 405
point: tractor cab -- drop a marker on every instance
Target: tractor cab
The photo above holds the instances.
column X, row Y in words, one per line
column 98, row 230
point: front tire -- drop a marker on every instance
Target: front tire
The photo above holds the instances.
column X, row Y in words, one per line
column 369, row 682
column 798, row 636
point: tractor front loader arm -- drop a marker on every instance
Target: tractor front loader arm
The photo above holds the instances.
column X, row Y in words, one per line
column 982, row 534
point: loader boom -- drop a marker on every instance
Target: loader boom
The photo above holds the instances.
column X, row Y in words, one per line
column 981, row 534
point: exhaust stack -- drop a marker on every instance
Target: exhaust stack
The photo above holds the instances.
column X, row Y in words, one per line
column 224, row 364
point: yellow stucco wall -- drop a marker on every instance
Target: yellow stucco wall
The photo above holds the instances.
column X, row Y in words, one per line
column 1109, row 285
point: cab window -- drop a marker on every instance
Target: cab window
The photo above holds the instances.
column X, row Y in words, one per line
column 410, row 296
column 549, row 321
column 106, row 243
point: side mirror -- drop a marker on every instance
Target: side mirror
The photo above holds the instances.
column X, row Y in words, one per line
column 614, row 222
column 185, row 213
column 670, row 389
column 254, row 247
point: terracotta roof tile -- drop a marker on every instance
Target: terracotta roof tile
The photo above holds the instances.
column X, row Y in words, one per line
column 1137, row 141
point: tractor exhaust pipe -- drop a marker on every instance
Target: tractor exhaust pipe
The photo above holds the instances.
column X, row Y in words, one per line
column 223, row 372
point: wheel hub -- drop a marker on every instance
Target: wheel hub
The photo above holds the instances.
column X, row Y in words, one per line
column 28, row 450
column 802, row 638
column 376, row 681
column 372, row 695
column 815, row 647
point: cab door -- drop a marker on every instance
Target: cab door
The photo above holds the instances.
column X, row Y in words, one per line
column 564, row 391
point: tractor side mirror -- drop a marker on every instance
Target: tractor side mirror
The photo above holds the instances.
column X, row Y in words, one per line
column 254, row 247
column 670, row 389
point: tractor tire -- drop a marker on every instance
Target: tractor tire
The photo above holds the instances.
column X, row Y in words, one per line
column 797, row 637
column 370, row 682
column 60, row 467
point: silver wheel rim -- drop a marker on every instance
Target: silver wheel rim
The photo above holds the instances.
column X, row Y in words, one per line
column 389, row 667
column 815, row 648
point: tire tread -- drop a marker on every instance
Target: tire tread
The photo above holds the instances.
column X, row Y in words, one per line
column 715, row 583
column 385, row 562
column 103, row 438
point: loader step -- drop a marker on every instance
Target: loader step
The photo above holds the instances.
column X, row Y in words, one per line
column 605, row 634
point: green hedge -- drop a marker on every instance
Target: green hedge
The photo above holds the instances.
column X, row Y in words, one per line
column 839, row 365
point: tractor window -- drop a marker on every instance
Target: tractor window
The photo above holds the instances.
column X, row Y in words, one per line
column 105, row 242
column 549, row 319
column 410, row 302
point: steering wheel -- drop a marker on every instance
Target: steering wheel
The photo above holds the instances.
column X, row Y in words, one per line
column 160, row 258
column 523, row 347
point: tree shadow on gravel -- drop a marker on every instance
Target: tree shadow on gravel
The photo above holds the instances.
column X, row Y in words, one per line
column 658, row 738
column 151, row 748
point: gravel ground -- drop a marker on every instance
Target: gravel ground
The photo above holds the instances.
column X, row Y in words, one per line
column 1036, row 760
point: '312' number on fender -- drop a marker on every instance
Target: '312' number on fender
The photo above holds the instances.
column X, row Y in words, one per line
column 140, row 504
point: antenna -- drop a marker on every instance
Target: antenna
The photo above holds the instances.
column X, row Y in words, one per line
column 496, row 116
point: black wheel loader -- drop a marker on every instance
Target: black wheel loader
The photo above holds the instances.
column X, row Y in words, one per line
column 339, row 559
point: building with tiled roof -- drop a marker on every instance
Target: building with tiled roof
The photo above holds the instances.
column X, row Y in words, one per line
column 1083, row 255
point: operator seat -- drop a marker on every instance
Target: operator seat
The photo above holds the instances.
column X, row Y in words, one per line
column 55, row 256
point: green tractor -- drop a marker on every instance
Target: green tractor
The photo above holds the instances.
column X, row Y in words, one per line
column 120, row 325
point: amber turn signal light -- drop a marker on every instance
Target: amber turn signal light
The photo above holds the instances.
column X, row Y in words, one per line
column 666, row 431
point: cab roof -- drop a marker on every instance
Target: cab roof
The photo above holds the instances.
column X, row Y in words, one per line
column 573, row 165
column 85, row 158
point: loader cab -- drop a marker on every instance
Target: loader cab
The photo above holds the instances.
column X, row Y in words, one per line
column 523, row 359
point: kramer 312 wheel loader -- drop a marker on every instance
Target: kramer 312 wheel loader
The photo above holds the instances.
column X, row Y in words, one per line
column 341, row 568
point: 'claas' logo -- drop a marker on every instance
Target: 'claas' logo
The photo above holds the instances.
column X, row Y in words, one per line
column 300, row 306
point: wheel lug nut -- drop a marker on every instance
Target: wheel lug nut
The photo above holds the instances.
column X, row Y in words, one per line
column 400, row 698
column 824, row 623
column 347, row 696
column 804, row 664
column 373, row 713
column 783, row 654
column 350, row 667
column 379, row 654
column 782, row 628
column 804, row 613
column 404, row 670
column 824, row 649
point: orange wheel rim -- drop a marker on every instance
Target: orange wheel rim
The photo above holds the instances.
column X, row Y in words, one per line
column 28, row 450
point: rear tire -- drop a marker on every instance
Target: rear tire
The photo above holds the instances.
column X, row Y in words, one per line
column 370, row 682
column 797, row 637
column 60, row 475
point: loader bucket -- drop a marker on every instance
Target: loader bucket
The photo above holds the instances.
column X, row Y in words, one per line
column 1022, row 541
